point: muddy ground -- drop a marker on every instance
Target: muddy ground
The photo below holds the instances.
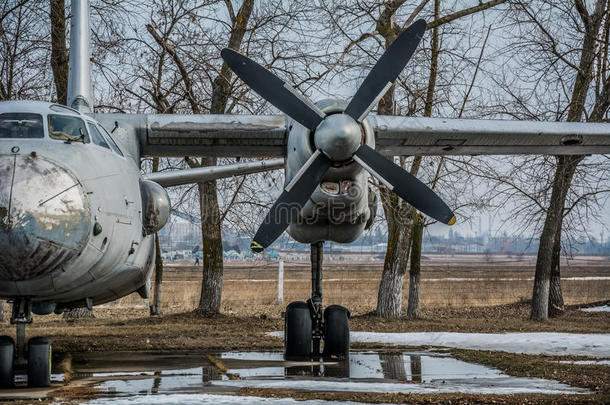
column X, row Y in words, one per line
column 116, row 329
column 127, row 326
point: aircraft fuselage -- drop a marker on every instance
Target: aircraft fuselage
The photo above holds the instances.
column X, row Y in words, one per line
column 70, row 211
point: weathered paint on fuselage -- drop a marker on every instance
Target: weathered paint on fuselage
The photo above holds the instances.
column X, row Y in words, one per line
column 83, row 184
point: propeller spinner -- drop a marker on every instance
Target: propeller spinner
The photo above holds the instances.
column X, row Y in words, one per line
column 337, row 137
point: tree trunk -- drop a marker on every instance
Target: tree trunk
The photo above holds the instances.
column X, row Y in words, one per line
column 566, row 166
column 157, row 305
column 399, row 218
column 59, row 53
column 418, row 224
column 393, row 366
column 392, row 278
column 415, row 368
column 211, row 288
column 77, row 313
column 415, row 267
column 556, row 307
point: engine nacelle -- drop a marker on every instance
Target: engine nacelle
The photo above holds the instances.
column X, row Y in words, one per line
column 155, row 206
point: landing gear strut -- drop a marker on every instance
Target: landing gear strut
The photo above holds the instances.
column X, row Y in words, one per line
column 14, row 356
column 307, row 325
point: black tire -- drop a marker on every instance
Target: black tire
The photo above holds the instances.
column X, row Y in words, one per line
column 297, row 330
column 336, row 331
column 39, row 362
column 7, row 361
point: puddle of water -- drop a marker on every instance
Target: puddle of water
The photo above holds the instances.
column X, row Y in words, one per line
column 367, row 371
column 23, row 378
column 182, row 399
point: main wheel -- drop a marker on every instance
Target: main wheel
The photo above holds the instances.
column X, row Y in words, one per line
column 297, row 330
column 336, row 331
column 7, row 358
column 39, row 362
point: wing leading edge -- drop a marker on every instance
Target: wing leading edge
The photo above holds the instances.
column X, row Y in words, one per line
column 396, row 135
column 175, row 135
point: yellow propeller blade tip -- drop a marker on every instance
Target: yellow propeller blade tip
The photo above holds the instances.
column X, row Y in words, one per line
column 452, row 221
column 256, row 247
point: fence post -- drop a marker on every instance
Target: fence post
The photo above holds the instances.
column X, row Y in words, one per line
column 280, row 283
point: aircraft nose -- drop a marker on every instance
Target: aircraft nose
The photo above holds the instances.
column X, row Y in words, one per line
column 44, row 216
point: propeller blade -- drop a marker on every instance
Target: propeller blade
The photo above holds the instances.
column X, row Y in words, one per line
column 385, row 71
column 404, row 184
column 274, row 90
column 286, row 209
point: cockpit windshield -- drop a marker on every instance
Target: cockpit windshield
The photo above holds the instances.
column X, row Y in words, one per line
column 67, row 128
column 21, row 125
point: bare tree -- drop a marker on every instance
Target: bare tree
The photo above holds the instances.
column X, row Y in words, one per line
column 23, row 51
column 419, row 221
column 208, row 86
column 156, row 308
column 567, row 48
column 398, row 214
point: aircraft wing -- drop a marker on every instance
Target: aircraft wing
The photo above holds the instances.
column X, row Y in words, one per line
column 176, row 135
column 173, row 135
column 396, row 135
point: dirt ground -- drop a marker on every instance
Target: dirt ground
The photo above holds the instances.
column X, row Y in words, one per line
column 127, row 326
column 117, row 329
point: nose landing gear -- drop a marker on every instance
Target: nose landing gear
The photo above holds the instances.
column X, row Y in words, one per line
column 13, row 356
column 307, row 326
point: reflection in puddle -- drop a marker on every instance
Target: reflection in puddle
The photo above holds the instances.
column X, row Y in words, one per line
column 369, row 371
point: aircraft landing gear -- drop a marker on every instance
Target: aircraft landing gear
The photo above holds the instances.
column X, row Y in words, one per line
column 7, row 354
column 14, row 356
column 306, row 325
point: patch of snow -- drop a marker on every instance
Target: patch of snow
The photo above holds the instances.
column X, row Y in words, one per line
column 253, row 356
column 587, row 362
column 197, row 399
column 124, row 374
column 605, row 308
column 504, row 385
column 549, row 343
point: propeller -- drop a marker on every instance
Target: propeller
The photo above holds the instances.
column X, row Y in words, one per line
column 337, row 137
column 385, row 71
column 273, row 89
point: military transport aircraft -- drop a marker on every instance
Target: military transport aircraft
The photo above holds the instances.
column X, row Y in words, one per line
column 77, row 217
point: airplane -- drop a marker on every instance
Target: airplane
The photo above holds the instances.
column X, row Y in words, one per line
column 78, row 218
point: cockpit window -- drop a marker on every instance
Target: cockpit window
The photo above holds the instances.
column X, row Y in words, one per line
column 67, row 128
column 21, row 125
column 113, row 144
column 96, row 136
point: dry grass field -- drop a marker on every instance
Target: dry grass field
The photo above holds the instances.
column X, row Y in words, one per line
column 446, row 282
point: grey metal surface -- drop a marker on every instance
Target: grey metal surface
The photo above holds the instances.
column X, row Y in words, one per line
column 156, row 206
column 441, row 136
column 338, row 136
column 214, row 135
column 44, row 216
column 80, row 93
column 266, row 136
column 341, row 217
column 201, row 174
